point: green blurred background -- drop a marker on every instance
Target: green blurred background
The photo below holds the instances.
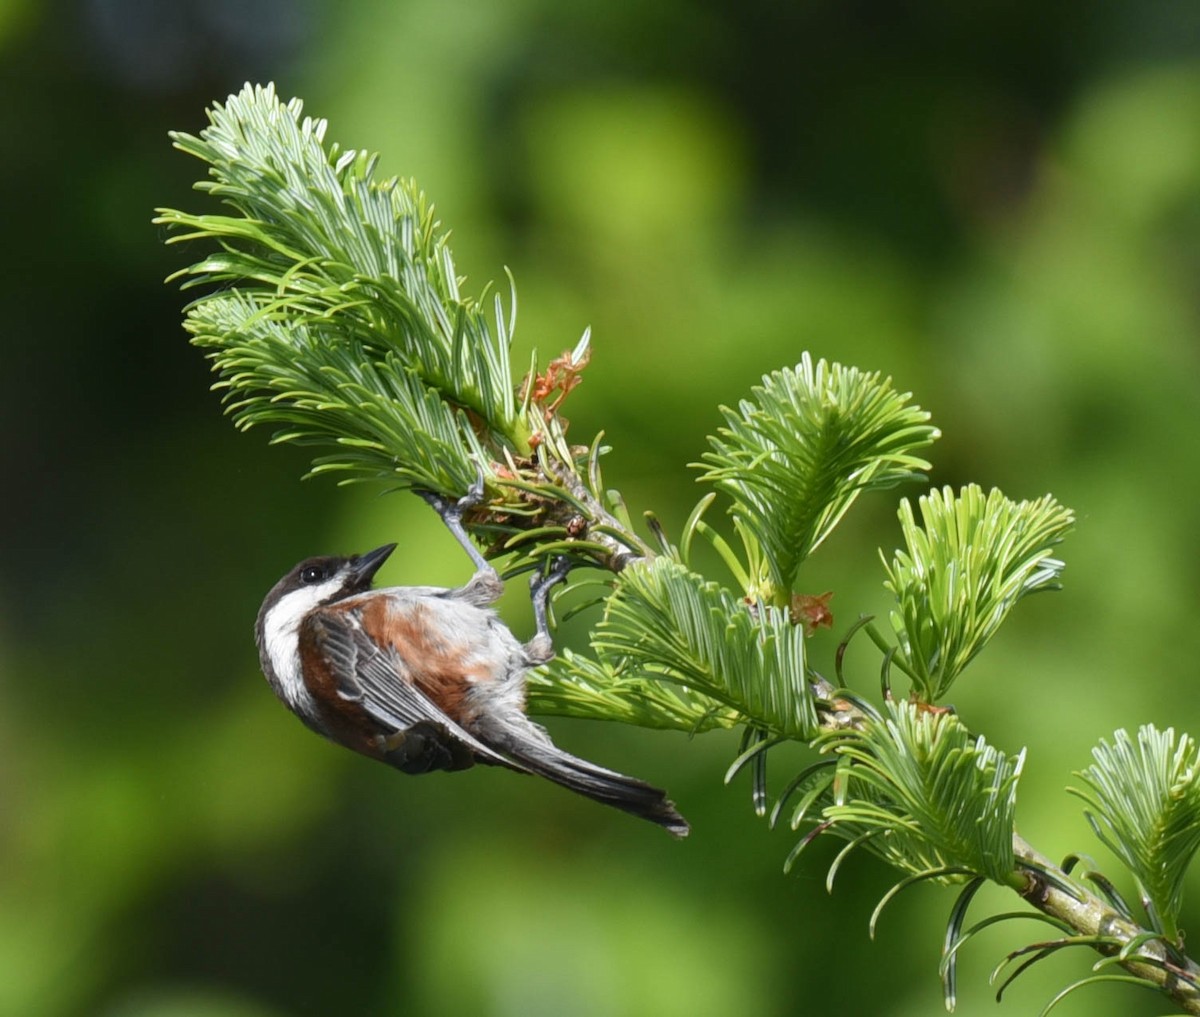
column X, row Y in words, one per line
column 996, row 203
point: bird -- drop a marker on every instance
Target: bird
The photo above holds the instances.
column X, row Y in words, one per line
column 426, row 678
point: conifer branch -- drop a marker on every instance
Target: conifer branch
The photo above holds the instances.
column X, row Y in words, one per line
column 795, row 458
column 331, row 311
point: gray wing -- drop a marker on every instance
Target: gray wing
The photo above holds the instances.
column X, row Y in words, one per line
column 419, row 736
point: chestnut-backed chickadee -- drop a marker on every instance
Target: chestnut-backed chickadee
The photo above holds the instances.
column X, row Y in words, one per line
column 425, row 678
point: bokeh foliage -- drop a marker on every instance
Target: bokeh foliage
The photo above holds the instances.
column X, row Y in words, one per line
column 998, row 208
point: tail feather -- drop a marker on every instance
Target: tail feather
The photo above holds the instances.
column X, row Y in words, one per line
column 605, row 786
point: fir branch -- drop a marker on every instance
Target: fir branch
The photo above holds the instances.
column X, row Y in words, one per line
column 667, row 623
column 1144, row 804
column 350, row 264
column 1049, row 890
column 942, row 799
column 961, row 574
column 795, row 458
column 337, row 318
column 319, row 386
column 573, row 685
column 1039, row 882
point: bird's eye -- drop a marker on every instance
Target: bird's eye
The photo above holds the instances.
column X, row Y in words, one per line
column 312, row 574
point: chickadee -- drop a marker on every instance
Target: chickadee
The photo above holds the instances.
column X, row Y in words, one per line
column 425, row 678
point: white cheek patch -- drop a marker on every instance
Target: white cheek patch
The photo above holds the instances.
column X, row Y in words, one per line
column 281, row 638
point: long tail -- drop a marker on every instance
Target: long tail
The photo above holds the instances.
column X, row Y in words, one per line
column 605, row 786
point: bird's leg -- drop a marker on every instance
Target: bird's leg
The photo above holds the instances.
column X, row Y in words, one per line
column 541, row 647
column 485, row 586
column 452, row 511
